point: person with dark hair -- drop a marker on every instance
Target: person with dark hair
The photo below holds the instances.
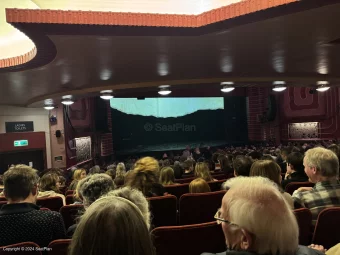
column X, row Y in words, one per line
column 49, row 186
column 188, row 167
column 242, row 165
column 21, row 220
column 178, row 170
column 335, row 148
column 255, row 155
column 225, row 165
column 295, row 169
column 284, row 154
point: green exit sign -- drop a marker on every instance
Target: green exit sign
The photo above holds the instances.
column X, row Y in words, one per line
column 20, row 143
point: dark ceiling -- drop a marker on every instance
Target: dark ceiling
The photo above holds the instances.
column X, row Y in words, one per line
column 292, row 47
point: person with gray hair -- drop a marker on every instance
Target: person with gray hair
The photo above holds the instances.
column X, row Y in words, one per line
column 136, row 197
column 322, row 168
column 256, row 219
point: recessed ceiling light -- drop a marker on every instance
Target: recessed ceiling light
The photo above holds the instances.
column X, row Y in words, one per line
column 227, row 89
column 227, row 83
column 106, row 96
column 48, row 107
column 279, row 88
column 164, row 91
column 67, row 102
column 323, row 88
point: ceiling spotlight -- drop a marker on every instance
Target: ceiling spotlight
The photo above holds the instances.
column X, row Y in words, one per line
column 279, row 86
column 67, row 102
column 106, row 96
column 226, row 89
column 323, row 86
column 164, row 91
column 48, row 107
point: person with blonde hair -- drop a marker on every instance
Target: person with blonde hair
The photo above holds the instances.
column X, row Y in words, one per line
column 145, row 177
column 272, row 171
column 120, row 175
column 199, row 185
column 202, row 171
column 322, row 168
column 78, row 175
column 256, row 219
column 167, row 176
column 49, row 187
column 112, row 226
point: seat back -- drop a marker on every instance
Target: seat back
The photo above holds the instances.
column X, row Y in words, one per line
column 70, row 214
column 216, row 185
column 219, row 176
column 199, row 207
column 163, row 210
column 59, row 247
column 28, row 248
column 189, row 240
column 304, row 220
column 327, row 227
column 3, row 199
column 185, row 180
column 292, row 186
column 177, row 190
column 69, row 199
column 2, row 203
column 69, row 192
column 52, row 203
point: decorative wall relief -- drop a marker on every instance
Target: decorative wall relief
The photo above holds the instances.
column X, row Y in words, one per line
column 83, row 148
column 306, row 130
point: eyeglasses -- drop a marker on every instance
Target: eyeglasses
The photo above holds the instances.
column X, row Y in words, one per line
column 219, row 219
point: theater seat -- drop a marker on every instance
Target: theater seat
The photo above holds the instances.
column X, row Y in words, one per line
column 69, row 192
column 292, row 186
column 3, row 199
column 189, row 240
column 220, row 176
column 199, row 207
column 177, row 190
column 52, row 203
column 304, row 220
column 59, row 247
column 185, row 180
column 28, row 248
column 70, row 213
column 327, row 227
column 163, row 210
column 69, row 199
column 216, row 185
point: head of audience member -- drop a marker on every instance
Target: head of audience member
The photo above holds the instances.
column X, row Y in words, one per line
column 136, row 197
column 76, row 194
column 321, row 165
column 120, row 170
column 144, row 175
column 335, row 148
column 267, row 157
column 202, row 171
column 249, row 218
column 95, row 170
column 224, row 163
column 79, row 174
column 111, row 173
column 295, row 163
column 95, row 186
column 167, row 176
column 62, row 181
column 178, row 170
column 199, row 186
column 268, row 169
column 21, row 184
column 255, row 155
column 188, row 166
column 285, row 152
column 242, row 165
column 112, row 225
column 49, row 182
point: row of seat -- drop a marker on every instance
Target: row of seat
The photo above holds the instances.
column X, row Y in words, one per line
column 208, row 237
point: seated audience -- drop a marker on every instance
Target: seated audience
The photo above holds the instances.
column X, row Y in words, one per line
column 295, row 169
column 188, row 166
column 120, row 175
column 225, row 165
column 272, row 171
column 178, row 170
column 167, row 176
column 242, row 165
column 322, row 168
column 197, row 154
column 78, row 175
column 335, row 250
column 256, row 220
column 21, row 220
column 112, row 225
column 145, row 177
column 335, row 148
column 202, row 171
column 199, row 186
column 284, row 154
column 49, row 187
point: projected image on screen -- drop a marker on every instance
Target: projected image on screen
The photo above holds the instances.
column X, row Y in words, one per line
column 173, row 122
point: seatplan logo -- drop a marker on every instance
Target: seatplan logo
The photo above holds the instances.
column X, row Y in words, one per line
column 176, row 127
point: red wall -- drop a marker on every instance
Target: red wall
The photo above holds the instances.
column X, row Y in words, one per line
column 36, row 140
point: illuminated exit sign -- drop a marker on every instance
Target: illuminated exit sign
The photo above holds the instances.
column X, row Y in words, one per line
column 20, row 143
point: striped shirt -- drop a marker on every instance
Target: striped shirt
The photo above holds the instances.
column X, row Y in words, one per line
column 323, row 195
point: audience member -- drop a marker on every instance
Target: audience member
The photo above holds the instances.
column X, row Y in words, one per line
column 112, row 225
column 178, row 170
column 199, row 186
column 295, row 169
column 188, row 166
column 167, row 176
column 272, row 171
column 145, row 177
column 77, row 176
column 322, row 168
column 225, row 165
column 202, row 171
column 20, row 219
column 95, row 170
column 242, row 165
column 249, row 219
column 49, row 187
column 284, row 154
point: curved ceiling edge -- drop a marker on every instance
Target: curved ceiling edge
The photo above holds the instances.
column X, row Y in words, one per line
column 18, row 60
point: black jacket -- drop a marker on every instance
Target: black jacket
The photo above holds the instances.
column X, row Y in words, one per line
column 294, row 177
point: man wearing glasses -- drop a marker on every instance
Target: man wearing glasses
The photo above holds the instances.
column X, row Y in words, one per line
column 256, row 219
